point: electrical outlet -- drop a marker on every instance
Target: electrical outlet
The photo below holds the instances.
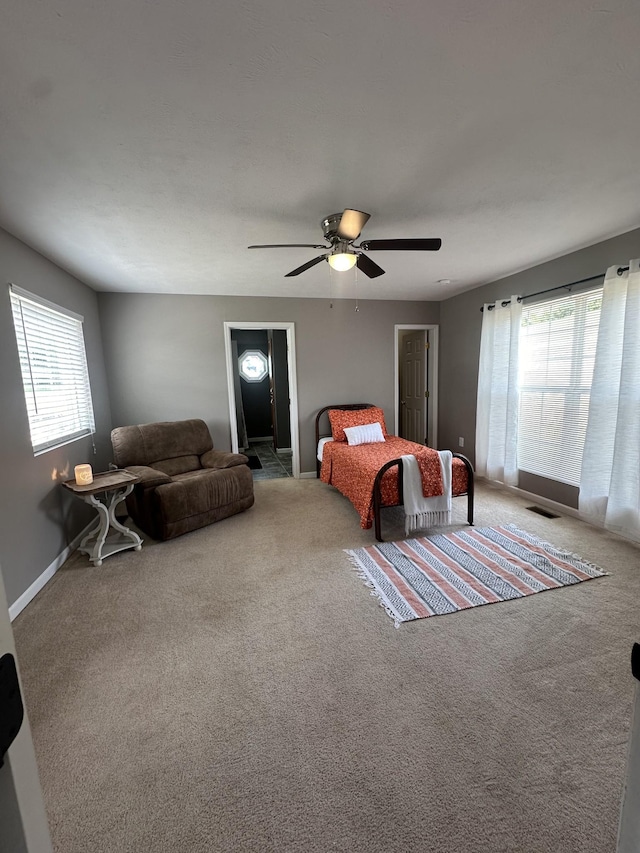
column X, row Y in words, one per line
column 461, row 442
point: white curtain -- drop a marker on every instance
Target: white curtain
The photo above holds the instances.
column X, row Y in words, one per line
column 498, row 398
column 610, row 480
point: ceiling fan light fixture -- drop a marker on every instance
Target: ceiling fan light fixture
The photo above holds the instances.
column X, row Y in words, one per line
column 342, row 261
column 340, row 231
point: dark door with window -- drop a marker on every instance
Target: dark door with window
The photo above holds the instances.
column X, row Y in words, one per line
column 253, row 365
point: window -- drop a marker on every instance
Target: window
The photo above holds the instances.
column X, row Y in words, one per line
column 557, row 351
column 54, row 370
column 253, row 365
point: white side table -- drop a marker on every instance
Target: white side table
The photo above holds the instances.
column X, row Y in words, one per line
column 105, row 493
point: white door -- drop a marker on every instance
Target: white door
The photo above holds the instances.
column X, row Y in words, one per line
column 413, row 401
column 23, row 822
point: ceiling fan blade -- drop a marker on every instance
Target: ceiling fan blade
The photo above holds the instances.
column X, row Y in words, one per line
column 369, row 267
column 351, row 224
column 306, row 266
column 431, row 244
column 289, row 246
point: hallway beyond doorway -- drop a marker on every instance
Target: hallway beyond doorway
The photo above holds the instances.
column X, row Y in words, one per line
column 274, row 465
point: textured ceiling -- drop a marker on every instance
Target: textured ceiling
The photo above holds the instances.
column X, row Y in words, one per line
column 144, row 144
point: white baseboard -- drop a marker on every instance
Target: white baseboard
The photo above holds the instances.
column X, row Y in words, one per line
column 284, row 450
column 28, row 595
column 561, row 509
column 308, row 475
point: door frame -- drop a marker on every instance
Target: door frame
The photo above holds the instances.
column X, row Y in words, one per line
column 293, row 386
column 432, row 332
column 24, row 814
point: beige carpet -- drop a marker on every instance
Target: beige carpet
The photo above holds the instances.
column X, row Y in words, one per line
column 238, row 689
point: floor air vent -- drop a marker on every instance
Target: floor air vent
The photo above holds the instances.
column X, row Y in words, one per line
column 541, row 511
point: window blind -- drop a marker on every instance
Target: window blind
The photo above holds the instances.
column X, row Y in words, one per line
column 54, row 371
column 557, row 351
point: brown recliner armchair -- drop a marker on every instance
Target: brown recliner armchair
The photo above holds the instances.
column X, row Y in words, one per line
column 184, row 483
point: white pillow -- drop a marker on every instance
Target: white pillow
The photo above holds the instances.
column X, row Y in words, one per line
column 365, row 434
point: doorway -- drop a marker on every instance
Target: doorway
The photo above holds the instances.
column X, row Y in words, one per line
column 416, row 392
column 263, row 397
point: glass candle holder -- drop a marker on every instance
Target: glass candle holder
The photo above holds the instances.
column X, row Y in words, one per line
column 83, row 474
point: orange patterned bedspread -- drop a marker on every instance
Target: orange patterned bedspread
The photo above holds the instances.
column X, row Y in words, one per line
column 352, row 470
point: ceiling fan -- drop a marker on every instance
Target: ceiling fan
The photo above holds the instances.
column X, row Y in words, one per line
column 341, row 230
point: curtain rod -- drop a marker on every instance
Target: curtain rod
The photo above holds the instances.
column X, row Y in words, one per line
column 559, row 287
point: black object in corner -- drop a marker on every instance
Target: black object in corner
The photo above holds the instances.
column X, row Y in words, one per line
column 635, row 661
column 11, row 707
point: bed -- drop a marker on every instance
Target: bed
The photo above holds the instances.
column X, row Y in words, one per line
column 371, row 475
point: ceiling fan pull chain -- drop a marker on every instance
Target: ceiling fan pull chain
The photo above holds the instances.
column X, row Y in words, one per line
column 330, row 286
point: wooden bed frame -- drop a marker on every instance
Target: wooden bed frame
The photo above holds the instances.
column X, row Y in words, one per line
column 377, row 498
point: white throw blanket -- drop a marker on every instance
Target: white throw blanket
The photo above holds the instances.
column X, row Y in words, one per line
column 421, row 512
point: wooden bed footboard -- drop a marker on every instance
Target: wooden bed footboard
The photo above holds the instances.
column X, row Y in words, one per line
column 377, row 498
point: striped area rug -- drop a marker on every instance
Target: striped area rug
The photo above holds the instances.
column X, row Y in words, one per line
column 433, row 575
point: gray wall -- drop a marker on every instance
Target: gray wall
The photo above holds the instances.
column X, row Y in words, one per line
column 165, row 355
column 38, row 518
column 460, row 326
